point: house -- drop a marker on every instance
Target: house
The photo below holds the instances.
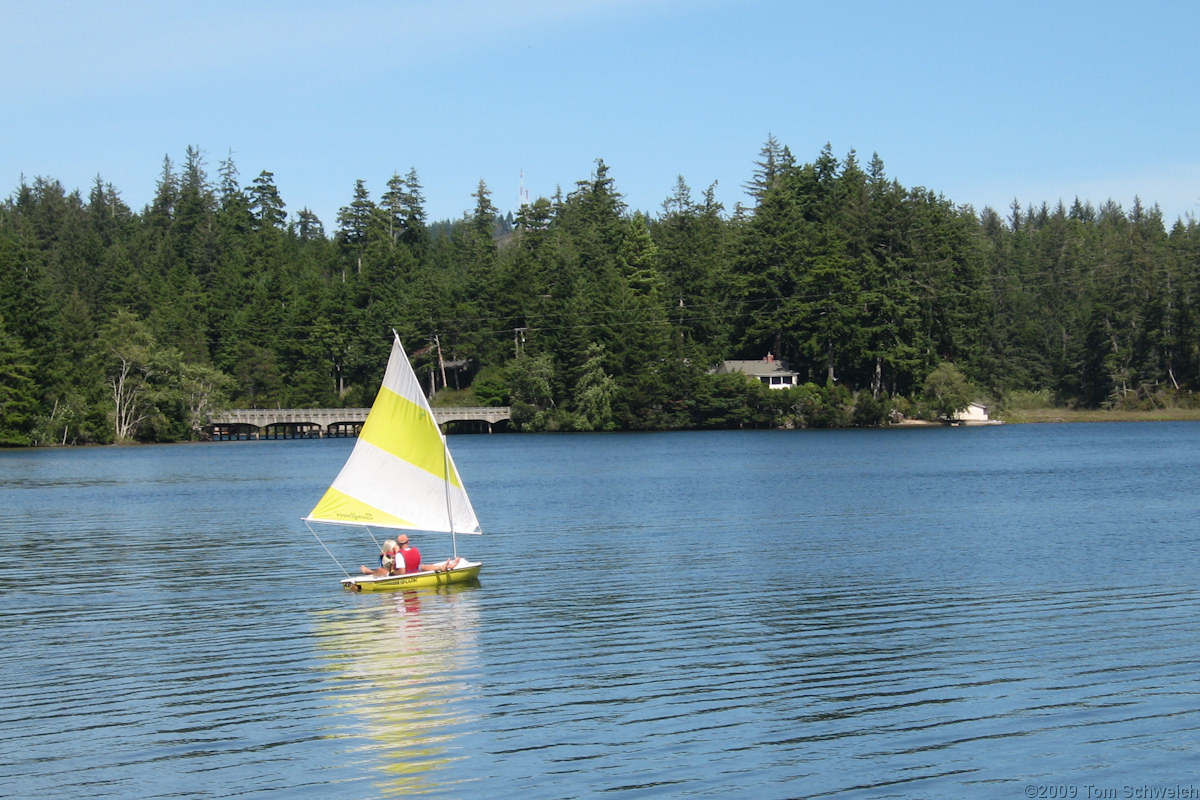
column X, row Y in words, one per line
column 774, row 374
column 973, row 414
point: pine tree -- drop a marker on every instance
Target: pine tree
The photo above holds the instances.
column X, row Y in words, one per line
column 775, row 160
column 266, row 206
column 18, row 391
column 354, row 223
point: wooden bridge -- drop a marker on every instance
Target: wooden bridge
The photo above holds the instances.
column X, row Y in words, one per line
column 320, row 423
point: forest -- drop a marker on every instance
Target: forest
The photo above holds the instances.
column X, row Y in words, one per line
column 581, row 314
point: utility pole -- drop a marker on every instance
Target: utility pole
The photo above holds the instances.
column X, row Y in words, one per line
column 441, row 363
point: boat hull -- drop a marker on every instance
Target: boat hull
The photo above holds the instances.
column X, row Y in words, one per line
column 467, row 571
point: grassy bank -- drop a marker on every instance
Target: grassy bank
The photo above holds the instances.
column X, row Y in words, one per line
column 1032, row 415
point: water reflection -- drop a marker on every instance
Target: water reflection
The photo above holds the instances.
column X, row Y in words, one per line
column 405, row 662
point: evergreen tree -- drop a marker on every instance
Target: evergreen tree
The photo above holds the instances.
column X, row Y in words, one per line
column 594, row 394
column 354, row 223
column 775, row 160
column 308, row 227
column 18, row 391
column 266, row 206
column 166, row 194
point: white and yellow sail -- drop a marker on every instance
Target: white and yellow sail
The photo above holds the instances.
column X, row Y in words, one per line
column 399, row 474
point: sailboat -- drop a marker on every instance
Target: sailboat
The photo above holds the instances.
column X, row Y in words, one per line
column 400, row 475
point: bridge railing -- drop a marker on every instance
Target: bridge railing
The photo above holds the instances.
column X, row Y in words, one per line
column 255, row 423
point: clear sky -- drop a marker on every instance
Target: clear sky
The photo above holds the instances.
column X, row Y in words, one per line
column 983, row 102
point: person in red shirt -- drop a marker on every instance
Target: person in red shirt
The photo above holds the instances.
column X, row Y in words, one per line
column 408, row 558
column 411, row 559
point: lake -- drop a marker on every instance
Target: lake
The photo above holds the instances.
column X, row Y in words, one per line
column 1004, row 611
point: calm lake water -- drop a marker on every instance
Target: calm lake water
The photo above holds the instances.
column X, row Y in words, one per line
column 941, row 613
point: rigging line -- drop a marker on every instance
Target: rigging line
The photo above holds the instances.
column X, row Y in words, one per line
column 327, row 550
column 371, row 533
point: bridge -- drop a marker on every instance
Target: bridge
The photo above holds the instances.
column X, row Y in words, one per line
column 320, row 423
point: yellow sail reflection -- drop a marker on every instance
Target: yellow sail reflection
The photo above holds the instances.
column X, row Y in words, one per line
column 405, row 659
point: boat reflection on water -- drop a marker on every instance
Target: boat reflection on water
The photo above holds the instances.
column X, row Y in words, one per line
column 405, row 663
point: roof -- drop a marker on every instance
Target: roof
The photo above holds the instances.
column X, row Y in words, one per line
column 758, row 368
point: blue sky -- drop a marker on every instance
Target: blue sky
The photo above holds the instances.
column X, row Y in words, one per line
column 981, row 102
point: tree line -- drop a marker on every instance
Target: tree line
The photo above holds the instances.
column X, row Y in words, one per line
column 580, row 313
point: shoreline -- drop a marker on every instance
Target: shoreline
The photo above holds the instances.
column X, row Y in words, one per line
column 1036, row 416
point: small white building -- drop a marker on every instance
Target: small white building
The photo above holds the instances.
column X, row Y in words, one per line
column 774, row 374
column 974, row 414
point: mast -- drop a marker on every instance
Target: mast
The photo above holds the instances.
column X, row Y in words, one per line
column 449, row 505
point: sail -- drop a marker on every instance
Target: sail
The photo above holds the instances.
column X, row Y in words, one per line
column 399, row 474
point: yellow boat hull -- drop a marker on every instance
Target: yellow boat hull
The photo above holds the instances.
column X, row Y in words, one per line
column 464, row 572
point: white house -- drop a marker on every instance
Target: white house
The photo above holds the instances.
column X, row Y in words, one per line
column 774, row 374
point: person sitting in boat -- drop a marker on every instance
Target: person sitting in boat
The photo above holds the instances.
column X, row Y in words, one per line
column 410, row 557
column 387, row 558
column 389, row 555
